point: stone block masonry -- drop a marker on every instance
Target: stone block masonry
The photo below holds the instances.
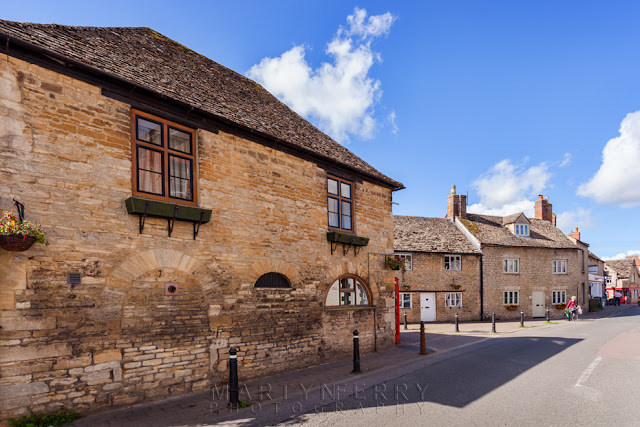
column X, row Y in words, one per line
column 116, row 338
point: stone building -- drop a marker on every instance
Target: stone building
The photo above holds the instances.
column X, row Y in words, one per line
column 622, row 275
column 527, row 263
column 596, row 276
column 442, row 270
column 188, row 211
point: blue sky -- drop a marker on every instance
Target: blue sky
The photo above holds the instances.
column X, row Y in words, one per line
column 504, row 99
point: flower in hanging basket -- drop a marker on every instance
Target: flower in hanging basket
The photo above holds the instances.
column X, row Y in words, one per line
column 19, row 236
column 454, row 286
column 561, row 306
column 394, row 263
column 511, row 307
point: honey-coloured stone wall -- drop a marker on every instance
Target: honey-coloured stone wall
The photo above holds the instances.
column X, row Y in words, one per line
column 116, row 338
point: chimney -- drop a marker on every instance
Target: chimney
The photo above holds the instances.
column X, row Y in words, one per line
column 544, row 209
column 575, row 234
column 456, row 205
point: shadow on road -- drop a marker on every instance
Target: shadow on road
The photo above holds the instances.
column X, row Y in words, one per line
column 456, row 382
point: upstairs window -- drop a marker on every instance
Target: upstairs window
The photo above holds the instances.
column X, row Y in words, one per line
column 340, row 203
column 452, row 262
column 407, row 258
column 163, row 157
column 607, row 280
column 348, row 291
column 559, row 266
column 511, row 266
column 522, row 229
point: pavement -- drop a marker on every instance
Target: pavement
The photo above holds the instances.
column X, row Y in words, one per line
column 277, row 398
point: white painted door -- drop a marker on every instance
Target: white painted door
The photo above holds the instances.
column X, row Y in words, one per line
column 428, row 306
column 537, row 301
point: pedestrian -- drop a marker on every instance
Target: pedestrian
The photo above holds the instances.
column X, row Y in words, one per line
column 571, row 307
column 617, row 296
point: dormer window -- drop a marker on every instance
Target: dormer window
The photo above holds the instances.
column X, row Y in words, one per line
column 522, row 229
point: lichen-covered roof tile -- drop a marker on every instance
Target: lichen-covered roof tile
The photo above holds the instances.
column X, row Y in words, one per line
column 420, row 234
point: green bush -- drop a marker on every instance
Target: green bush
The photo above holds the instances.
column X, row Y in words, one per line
column 55, row 418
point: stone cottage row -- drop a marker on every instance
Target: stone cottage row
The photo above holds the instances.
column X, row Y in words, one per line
column 476, row 265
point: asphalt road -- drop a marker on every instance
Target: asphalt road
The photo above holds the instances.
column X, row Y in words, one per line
column 578, row 373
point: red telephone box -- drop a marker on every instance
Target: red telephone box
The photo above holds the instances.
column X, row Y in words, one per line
column 397, row 311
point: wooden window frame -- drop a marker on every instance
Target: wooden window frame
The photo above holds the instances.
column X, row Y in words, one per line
column 339, row 197
column 166, row 152
column 558, row 265
column 558, row 297
column 513, row 261
column 407, row 258
column 448, row 297
column 403, row 300
column 510, row 298
column 451, row 260
column 353, row 290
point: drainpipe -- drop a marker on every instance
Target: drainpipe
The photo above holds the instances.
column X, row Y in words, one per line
column 481, row 292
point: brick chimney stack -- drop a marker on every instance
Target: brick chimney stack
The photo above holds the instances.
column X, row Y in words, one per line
column 544, row 209
column 456, row 205
column 575, row 234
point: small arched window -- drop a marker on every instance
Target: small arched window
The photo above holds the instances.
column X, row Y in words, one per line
column 273, row 280
column 348, row 291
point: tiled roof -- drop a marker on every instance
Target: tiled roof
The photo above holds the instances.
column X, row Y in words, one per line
column 420, row 234
column 594, row 256
column 146, row 58
column 510, row 219
column 624, row 267
column 490, row 231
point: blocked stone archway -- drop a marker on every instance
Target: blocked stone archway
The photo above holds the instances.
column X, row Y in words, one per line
column 274, row 266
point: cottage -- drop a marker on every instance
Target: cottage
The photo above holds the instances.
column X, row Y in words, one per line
column 596, row 277
column 441, row 276
column 622, row 276
column 527, row 263
column 188, row 211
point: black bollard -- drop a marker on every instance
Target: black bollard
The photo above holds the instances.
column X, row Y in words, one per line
column 521, row 318
column 456, row 319
column 423, row 339
column 356, row 353
column 548, row 318
column 234, row 390
column 493, row 323
column 405, row 321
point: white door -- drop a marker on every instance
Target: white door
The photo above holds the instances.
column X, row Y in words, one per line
column 428, row 306
column 537, row 301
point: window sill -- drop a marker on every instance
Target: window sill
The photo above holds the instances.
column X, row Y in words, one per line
column 171, row 211
column 349, row 307
column 350, row 239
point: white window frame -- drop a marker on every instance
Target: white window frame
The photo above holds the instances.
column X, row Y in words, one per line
column 403, row 300
column 558, row 297
column 559, row 266
column 511, row 266
column 510, row 298
column 521, row 229
column 453, row 260
column 407, row 258
column 453, row 299
column 608, row 280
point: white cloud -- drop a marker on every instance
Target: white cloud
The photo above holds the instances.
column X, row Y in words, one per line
column 569, row 220
column 391, row 118
column 338, row 95
column 507, row 188
column 375, row 26
column 566, row 160
column 616, row 182
column 622, row 255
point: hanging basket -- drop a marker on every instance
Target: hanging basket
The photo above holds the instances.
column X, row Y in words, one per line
column 16, row 242
column 511, row 307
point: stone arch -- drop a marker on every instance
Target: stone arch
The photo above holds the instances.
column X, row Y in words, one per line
column 356, row 269
column 110, row 307
column 274, row 266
